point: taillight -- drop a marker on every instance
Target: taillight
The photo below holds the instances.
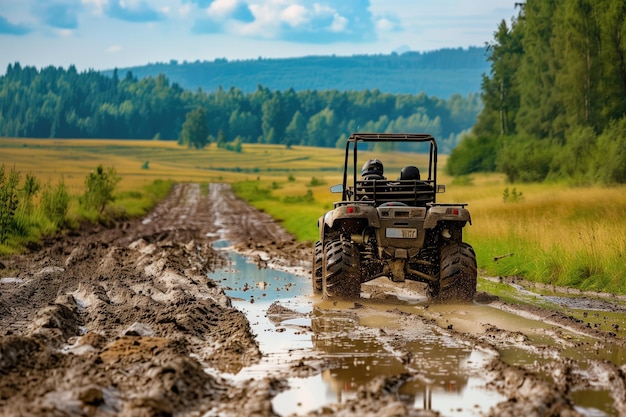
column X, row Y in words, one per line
column 351, row 209
column 453, row 211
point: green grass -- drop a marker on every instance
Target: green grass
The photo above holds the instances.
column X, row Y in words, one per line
column 556, row 234
column 138, row 203
column 29, row 226
column 295, row 207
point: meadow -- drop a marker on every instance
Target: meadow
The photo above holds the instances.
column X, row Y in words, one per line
column 549, row 233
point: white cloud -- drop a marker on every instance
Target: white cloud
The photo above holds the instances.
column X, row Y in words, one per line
column 339, row 24
column 295, row 15
column 322, row 9
column 222, row 8
column 267, row 18
column 98, row 5
column 271, row 17
column 384, row 25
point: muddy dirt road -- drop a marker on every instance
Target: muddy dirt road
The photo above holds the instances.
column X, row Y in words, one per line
column 128, row 321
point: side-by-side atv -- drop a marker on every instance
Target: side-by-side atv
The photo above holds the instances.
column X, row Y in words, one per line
column 393, row 228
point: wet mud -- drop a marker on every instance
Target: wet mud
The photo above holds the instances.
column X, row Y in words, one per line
column 204, row 308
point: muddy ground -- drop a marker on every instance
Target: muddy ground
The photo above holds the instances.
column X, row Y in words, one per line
column 123, row 320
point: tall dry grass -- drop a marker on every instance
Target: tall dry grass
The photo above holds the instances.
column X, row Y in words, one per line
column 555, row 234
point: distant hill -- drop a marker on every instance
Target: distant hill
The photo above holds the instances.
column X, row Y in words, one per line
column 439, row 73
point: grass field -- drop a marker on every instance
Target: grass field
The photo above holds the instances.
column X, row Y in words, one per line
column 549, row 233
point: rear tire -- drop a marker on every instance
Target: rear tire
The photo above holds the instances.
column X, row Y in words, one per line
column 457, row 274
column 343, row 271
column 317, row 268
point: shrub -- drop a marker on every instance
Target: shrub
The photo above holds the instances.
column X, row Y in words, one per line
column 512, row 196
column 31, row 187
column 8, row 202
column 526, row 159
column 100, row 185
column 474, row 154
column 55, row 203
column 315, row 182
column 610, row 156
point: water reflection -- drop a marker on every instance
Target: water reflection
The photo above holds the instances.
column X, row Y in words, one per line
column 446, row 372
column 354, row 353
column 252, row 291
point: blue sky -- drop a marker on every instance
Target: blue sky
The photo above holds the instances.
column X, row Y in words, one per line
column 104, row 34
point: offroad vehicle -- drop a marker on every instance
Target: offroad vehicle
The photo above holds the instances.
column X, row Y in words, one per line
column 393, row 228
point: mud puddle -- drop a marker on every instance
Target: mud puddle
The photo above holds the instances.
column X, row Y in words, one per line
column 347, row 345
column 291, row 324
column 253, row 291
column 445, row 373
column 542, row 347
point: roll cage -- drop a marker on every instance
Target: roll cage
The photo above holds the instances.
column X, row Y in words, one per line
column 355, row 138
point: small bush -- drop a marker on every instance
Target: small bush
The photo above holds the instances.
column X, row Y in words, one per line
column 100, row 185
column 55, row 203
column 8, row 202
column 513, row 196
column 315, row 182
column 30, row 189
column 306, row 198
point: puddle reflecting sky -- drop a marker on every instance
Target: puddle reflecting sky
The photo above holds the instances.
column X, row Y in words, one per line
column 448, row 373
column 447, row 382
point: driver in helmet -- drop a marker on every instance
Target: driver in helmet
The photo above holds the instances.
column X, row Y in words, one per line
column 373, row 170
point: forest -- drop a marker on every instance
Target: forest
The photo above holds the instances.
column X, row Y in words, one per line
column 439, row 73
column 555, row 98
column 63, row 103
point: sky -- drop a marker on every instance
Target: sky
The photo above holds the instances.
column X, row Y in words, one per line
column 107, row 34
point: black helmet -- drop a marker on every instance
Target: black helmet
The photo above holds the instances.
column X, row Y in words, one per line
column 372, row 167
column 410, row 173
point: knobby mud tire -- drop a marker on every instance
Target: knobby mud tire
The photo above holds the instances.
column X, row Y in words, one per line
column 318, row 268
column 457, row 274
column 343, row 271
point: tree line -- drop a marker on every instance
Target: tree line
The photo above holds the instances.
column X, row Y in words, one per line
column 63, row 103
column 555, row 99
column 440, row 73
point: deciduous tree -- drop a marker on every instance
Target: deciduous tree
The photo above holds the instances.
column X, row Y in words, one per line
column 195, row 131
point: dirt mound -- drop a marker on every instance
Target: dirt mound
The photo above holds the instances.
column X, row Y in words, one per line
column 102, row 321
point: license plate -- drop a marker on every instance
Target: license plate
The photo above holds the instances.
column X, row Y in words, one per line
column 401, row 233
